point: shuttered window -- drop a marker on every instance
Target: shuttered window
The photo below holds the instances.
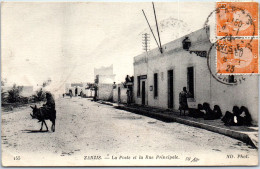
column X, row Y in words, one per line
column 155, row 85
column 190, row 81
column 138, row 85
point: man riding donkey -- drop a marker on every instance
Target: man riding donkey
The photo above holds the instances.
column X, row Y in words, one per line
column 47, row 112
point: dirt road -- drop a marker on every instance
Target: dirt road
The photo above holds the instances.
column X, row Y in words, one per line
column 89, row 133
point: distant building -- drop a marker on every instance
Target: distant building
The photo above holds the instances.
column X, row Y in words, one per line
column 104, row 78
column 123, row 92
column 105, row 75
column 120, row 94
column 77, row 88
column 159, row 78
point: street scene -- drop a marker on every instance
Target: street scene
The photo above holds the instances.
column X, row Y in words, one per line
column 129, row 84
column 86, row 128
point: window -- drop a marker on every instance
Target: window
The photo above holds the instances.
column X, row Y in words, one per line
column 190, row 80
column 138, row 85
column 155, row 78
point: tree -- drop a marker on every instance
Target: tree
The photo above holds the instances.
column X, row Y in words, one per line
column 3, row 81
column 3, row 95
column 39, row 96
column 14, row 94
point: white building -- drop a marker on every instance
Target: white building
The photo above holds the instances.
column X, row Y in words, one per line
column 104, row 78
column 105, row 75
column 120, row 94
column 160, row 77
column 77, row 88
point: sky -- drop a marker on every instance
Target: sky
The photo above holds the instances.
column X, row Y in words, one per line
column 65, row 41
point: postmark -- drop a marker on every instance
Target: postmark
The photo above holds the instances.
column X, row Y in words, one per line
column 226, row 79
column 236, row 34
column 237, row 56
column 237, row 18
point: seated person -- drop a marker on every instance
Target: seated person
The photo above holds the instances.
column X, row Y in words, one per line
column 209, row 113
column 233, row 119
column 49, row 107
column 238, row 120
column 197, row 113
column 217, row 112
column 228, row 118
column 245, row 115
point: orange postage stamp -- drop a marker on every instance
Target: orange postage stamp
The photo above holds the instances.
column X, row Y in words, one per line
column 237, row 56
column 237, row 34
column 237, row 18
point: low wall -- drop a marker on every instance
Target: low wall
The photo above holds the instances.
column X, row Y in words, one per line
column 123, row 94
column 105, row 92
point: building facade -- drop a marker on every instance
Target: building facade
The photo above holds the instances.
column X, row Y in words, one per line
column 104, row 78
column 120, row 93
column 160, row 77
column 77, row 88
column 123, row 92
column 105, row 75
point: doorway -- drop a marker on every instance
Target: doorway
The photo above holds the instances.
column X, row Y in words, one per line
column 119, row 95
column 170, row 89
column 143, row 92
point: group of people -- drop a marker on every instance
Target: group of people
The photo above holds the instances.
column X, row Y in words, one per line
column 81, row 94
column 239, row 116
column 204, row 111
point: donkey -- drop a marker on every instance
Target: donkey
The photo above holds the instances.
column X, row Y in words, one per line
column 42, row 114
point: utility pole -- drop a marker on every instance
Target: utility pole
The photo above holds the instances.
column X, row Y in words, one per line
column 160, row 48
column 158, row 44
column 151, row 29
column 146, row 39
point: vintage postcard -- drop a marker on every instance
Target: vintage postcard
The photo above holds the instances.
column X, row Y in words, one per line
column 130, row 83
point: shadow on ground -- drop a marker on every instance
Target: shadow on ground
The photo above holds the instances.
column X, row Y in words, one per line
column 34, row 131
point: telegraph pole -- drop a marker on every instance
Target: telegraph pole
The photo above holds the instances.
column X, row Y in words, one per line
column 158, row 44
column 160, row 48
column 150, row 29
column 146, row 39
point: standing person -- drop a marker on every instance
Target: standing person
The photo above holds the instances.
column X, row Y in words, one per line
column 128, row 93
column 95, row 93
column 76, row 92
column 70, row 91
column 183, row 100
column 81, row 93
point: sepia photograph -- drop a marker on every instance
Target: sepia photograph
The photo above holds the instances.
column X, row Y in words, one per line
column 129, row 83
